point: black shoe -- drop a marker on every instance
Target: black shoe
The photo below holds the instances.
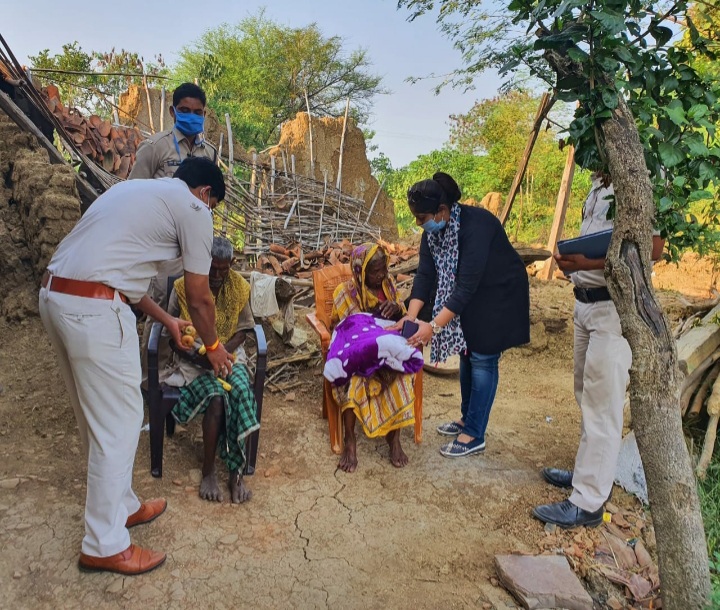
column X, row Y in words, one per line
column 557, row 477
column 566, row 515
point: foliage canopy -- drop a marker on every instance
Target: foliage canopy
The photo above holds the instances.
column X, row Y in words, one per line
column 259, row 71
column 107, row 74
column 592, row 52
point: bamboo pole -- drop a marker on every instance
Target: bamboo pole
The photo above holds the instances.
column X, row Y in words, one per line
column 342, row 145
column 162, row 109
column 561, row 206
column 220, row 146
column 377, row 195
column 322, row 208
column 546, row 103
column 310, row 135
column 147, row 96
column 231, row 174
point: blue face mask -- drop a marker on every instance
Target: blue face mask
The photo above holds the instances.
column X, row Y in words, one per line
column 433, row 226
column 188, row 123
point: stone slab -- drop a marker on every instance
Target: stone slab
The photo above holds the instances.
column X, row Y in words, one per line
column 544, row 581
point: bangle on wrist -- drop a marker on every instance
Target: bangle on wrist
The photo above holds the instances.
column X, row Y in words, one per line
column 214, row 346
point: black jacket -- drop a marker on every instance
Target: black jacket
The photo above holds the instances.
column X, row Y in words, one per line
column 492, row 294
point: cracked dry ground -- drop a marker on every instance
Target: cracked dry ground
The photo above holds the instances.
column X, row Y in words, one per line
column 311, row 537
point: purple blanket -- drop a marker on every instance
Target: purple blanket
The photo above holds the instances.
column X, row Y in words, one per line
column 360, row 345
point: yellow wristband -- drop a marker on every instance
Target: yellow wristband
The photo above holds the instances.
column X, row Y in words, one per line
column 213, row 347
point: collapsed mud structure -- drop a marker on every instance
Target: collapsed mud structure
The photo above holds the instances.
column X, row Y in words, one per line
column 356, row 177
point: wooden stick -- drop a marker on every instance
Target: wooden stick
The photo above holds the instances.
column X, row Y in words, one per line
column 342, row 145
column 310, row 135
column 561, row 206
column 147, row 96
column 322, row 208
column 708, row 448
column 231, row 161
column 702, row 392
column 546, row 103
column 301, row 357
column 162, row 111
column 220, row 145
column 713, row 409
column 377, row 195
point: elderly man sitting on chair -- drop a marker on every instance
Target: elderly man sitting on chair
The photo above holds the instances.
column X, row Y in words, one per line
column 230, row 414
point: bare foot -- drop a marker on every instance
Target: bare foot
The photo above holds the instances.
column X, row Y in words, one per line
column 238, row 492
column 348, row 460
column 397, row 455
column 209, row 489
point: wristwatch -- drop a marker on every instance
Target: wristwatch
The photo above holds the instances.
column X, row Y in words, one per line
column 435, row 328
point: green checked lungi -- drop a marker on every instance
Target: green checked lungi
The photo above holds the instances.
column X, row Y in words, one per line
column 240, row 411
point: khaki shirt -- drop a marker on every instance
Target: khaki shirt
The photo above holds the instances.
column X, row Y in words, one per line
column 595, row 219
column 160, row 155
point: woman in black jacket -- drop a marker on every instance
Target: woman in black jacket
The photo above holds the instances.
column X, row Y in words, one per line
column 482, row 304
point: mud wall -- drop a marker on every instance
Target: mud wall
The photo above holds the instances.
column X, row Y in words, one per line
column 357, row 179
column 39, row 205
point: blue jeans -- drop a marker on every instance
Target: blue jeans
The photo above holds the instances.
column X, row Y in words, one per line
column 478, row 383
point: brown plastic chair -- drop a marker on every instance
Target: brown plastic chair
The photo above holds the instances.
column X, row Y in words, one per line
column 325, row 281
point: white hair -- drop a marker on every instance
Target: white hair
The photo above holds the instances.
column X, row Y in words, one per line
column 222, row 249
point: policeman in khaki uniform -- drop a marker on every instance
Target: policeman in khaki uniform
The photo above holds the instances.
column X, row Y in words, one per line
column 159, row 157
column 602, row 369
column 102, row 266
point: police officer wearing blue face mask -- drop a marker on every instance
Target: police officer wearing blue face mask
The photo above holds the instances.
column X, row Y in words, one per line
column 481, row 305
column 159, row 156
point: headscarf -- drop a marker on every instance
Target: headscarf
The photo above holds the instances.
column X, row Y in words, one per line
column 445, row 249
column 230, row 301
column 354, row 296
column 360, row 259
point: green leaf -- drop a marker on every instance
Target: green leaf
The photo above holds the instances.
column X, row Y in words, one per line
column 671, row 84
column 696, row 146
column 613, row 22
column 699, row 196
column 697, row 111
column 670, row 154
column 578, row 55
column 679, row 181
column 661, row 34
column 610, row 98
column 664, row 204
column 624, row 54
column 676, row 113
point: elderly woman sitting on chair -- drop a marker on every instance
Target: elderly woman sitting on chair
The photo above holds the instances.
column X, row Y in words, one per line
column 230, row 415
column 383, row 401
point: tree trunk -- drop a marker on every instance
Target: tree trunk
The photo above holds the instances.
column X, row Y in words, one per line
column 654, row 376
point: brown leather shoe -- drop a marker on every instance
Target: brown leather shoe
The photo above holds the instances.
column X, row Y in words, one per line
column 147, row 512
column 132, row 561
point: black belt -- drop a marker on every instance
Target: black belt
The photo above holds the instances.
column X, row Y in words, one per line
column 591, row 295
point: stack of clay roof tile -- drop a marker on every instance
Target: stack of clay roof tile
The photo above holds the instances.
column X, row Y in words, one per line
column 293, row 261
column 111, row 147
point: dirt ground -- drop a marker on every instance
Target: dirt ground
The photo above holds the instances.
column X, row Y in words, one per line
column 312, row 536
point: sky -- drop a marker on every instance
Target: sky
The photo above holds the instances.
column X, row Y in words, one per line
column 409, row 121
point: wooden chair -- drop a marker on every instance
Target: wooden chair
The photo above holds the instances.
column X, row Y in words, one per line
column 325, row 281
column 161, row 399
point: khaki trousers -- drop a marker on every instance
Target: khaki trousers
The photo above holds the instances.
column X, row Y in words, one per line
column 602, row 365
column 96, row 343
